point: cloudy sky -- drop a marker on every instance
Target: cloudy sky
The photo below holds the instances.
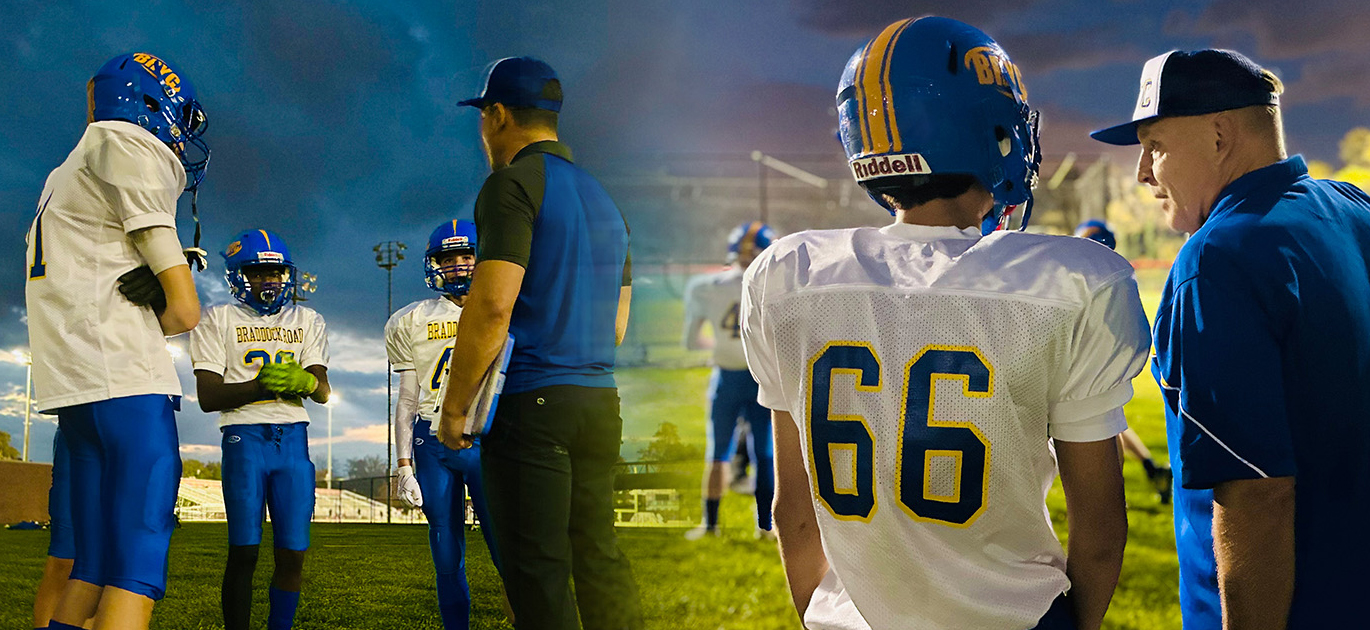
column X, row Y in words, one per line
column 333, row 124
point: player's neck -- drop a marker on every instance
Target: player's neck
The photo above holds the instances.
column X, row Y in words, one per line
column 961, row 212
column 517, row 141
column 460, row 301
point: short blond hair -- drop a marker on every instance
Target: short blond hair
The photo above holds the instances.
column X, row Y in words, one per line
column 1263, row 120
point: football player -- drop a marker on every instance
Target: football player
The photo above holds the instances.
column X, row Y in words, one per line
column 255, row 362
column 418, row 340
column 919, row 374
column 1159, row 475
column 715, row 298
column 61, row 545
column 99, row 357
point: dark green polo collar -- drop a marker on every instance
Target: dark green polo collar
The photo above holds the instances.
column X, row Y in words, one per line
column 546, row 146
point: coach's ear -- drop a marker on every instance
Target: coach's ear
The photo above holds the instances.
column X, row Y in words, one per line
column 496, row 116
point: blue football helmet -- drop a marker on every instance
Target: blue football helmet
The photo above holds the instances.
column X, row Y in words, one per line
column 1097, row 230
column 255, row 249
column 933, row 96
column 148, row 91
column 453, row 236
column 749, row 238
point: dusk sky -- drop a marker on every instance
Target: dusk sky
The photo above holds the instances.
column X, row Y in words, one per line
column 334, row 123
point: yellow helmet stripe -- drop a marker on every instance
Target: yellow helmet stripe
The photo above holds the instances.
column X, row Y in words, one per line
column 873, row 80
column 861, row 121
column 266, row 236
column 890, row 119
column 90, row 101
column 749, row 238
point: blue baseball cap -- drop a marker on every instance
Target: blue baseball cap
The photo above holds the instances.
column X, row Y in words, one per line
column 518, row 82
column 1192, row 83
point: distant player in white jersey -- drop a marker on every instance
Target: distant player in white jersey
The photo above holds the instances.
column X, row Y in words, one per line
column 255, row 361
column 107, row 214
column 716, row 298
column 927, row 380
column 418, row 340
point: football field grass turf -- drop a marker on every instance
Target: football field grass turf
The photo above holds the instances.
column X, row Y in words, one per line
column 381, row 576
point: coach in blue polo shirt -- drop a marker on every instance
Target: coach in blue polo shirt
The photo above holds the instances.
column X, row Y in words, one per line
column 1262, row 350
column 553, row 270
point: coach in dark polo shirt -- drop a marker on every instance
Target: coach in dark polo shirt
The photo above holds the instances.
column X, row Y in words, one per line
column 553, row 270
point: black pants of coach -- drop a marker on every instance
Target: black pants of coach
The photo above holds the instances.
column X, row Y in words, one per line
column 548, row 467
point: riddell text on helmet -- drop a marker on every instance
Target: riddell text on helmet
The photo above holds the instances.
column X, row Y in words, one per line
column 883, row 165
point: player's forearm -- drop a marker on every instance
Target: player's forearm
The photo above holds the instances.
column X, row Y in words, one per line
column 625, row 300
column 1253, row 541
column 1093, row 561
column 406, row 407
column 801, row 545
column 801, row 552
column 321, row 392
column 1096, row 512
column 225, row 396
column 182, row 312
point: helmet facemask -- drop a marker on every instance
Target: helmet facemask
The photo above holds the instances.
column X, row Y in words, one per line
column 264, row 288
column 454, row 277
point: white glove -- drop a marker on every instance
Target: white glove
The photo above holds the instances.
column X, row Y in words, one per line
column 409, row 487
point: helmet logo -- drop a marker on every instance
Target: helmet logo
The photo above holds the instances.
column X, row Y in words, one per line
column 993, row 68
column 456, row 241
column 162, row 72
column 233, row 248
column 886, row 165
column 270, row 257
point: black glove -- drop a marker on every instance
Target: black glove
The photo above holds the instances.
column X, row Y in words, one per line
column 141, row 287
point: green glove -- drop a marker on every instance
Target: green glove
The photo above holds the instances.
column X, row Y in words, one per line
column 287, row 379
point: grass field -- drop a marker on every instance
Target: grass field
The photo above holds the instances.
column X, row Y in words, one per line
column 378, row 576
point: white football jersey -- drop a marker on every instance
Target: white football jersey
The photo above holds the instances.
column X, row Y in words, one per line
column 88, row 342
column 926, row 368
column 717, row 299
column 235, row 341
column 420, row 337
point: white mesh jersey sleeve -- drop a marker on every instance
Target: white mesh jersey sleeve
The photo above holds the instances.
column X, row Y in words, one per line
column 758, row 342
column 139, row 176
column 207, row 351
column 315, row 348
column 1110, row 346
column 398, row 346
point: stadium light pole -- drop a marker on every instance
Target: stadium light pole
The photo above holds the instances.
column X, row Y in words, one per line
column 765, row 162
column 27, row 360
column 334, row 397
column 388, row 254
